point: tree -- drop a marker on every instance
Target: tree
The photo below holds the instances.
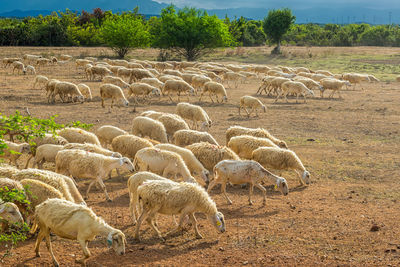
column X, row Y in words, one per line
column 124, row 32
column 276, row 24
column 190, row 33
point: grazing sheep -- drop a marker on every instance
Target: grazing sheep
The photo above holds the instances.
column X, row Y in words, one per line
column 258, row 132
column 251, row 102
column 178, row 87
column 152, row 114
column 65, row 57
column 265, row 85
column 144, row 126
column 39, row 192
column 244, row 145
column 116, row 81
column 98, row 70
column 10, row 183
column 233, row 77
column 93, row 148
column 19, row 66
column 297, row 88
column 281, row 159
column 114, row 92
column 13, row 151
column 173, row 198
column 85, row 90
column 9, row 60
column 49, row 87
column 311, row 84
column 9, row 214
column 245, row 171
column 143, row 89
column 42, row 61
column 209, row 155
column 77, row 135
column 194, row 165
column 276, row 84
column 107, row 133
column 153, row 82
column 129, row 145
column 324, row 72
column 372, row 78
column 83, row 164
column 198, row 81
column 7, row 170
column 133, row 183
column 138, row 74
column 30, row 69
column 76, row 222
column 41, row 80
column 30, row 58
column 333, row 84
column 355, row 78
column 164, row 78
column 162, row 162
column 46, row 153
column 173, row 72
column 187, row 137
column 82, row 62
column 67, row 89
column 214, row 88
column 172, row 124
column 194, row 113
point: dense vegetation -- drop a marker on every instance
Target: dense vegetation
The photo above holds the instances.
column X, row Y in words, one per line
column 173, row 30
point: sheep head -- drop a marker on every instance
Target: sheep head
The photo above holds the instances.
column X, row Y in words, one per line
column 218, row 221
column 305, row 177
column 126, row 164
column 10, row 212
column 282, row 186
column 116, row 239
column 282, row 144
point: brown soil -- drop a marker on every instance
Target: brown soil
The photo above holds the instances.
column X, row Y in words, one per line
column 350, row 146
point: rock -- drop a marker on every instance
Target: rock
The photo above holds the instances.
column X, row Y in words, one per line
column 311, row 139
column 245, row 262
column 221, row 249
column 374, row 228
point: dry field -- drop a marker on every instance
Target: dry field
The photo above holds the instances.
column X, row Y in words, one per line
column 350, row 146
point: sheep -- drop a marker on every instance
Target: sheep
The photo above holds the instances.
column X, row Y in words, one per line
column 235, row 77
column 187, row 137
column 333, row 84
column 19, row 66
column 65, row 57
column 176, row 86
column 98, row 70
column 85, row 90
column 258, row 132
column 276, row 84
column 77, row 135
column 134, row 65
column 41, row 80
column 76, row 222
column 39, row 192
column 30, row 69
column 245, row 171
column 311, row 84
column 251, row 102
column 198, row 81
column 214, row 88
column 244, row 145
column 143, row 89
column 54, row 60
column 82, row 62
column 296, row 88
column 123, row 72
column 10, row 183
column 116, row 81
column 153, row 82
column 193, row 164
column 107, row 133
column 9, row 215
column 281, row 159
column 317, row 77
column 372, row 78
column 144, row 126
column 165, row 78
column 152, row 114
column 47, row 177
column 324, row 72
column 194, row 113
column 114, row 92
column 46, row 153
column 13, row 151
column 31, row 58
column 83, row 164
column 172, row 124
column 133, row 183
column 355, row 78
column 8, row 170
column 9, row 60
column 138, row 74
column 162, row 162
column 64, row 89
column 265, row 85
column 173, row 72
column 129, row 145
column 172, row 198
column 49, row 87
column 209, row 155
column 93, row 148
column 42, row 61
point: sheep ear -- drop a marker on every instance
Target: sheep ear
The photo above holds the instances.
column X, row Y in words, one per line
column 121, row 161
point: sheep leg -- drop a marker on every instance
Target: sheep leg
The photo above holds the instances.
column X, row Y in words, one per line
column 100, row 181
column 216, row 97
column 201, row 95
column 223, row 191
column 304, row 98
column 287, row 101
column 151, row 221
column 339, row 94
column 300, row 178
column 89, row 187
column 279, row 95
column 259, row 186
column 211, row 185
column 112, row 102
column 194, row 222
column 251, row 188
column 211, row 98
column 248, row 113
column 27, row 161
column 102, row 102
column 170, row 98
column 139, row 223
column 39, row 239
column 132, row 207
column 179, row 227
column 86, row 252
column 49, row 247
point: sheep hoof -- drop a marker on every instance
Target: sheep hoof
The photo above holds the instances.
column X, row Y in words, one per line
column 199, row 236
column 251, row 203
column 38, row 254
column 56, row 264
column 109, row 200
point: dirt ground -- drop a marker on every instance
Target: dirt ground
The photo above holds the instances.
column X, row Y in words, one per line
column 350, row 146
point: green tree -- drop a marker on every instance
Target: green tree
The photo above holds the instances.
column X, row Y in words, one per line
column 276, row 24
column 124, row 32
column 190, row 33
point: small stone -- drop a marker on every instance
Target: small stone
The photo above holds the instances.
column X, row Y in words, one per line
column 221, row 249
column 334, row 238
column 374, row 228
column 245, row 262
column 311, row 139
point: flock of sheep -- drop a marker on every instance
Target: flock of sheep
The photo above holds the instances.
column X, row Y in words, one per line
column 172, row 154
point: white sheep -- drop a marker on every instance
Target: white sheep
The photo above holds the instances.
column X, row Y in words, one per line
column 355, row 78
column 76, row 222
column 65, row 57
column 311, row 84
column 178, row 87
column 129, row 145
column 93, row 148
column 234, row 77
column 214, row 88
column 251, row 102
column 281, row 159
column 30, row 58
column 138, row 74
column 144, row 126
column 116, row 81
column 162, row 162
column 66, row 90
column 244, row 145
column 83, row 164
column 265, row 85
column 30, row 69
column 9, row 214
column 38, row 191
column 114, row 92
column 256, row 132
column 165, row 78
column 194, row 113
column 198, row 81
column 85, row 90
column 143, row 89
column 41, row 80
column 209, row 155
column 187, row 137
column 13, row 151
column 183, row 198
column 77, row 135
column 19, row 66
column 8, row 170
column 245, row 171
column 46, row 153
column 172, row 124
column 153, row 82
column 49, row 87
column 296, row 88
column 82, row 62
column 152, row 114
column 107, row 133
column 196, row 168
column 333, row 84
column 9, row 60
column 98, row 70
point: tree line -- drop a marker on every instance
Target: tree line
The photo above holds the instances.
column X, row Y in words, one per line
column 188, row 32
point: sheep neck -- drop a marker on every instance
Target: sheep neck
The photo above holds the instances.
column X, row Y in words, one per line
column 110, row 164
